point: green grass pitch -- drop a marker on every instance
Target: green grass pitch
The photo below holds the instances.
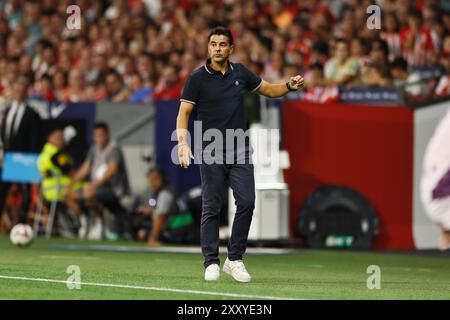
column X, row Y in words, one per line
column 306, row 274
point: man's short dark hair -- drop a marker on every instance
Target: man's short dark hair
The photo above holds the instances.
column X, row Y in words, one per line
column 321, row 47
column 382, row 45
column 113, row 72
column 415, row 13
column 341, row 40
column 399, row 63
column 222, row 31
column 54, row 130
column 102, row 125
column 46, row 77
column 316, row 66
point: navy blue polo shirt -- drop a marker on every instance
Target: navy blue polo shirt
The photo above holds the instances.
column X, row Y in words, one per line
column 219, row 98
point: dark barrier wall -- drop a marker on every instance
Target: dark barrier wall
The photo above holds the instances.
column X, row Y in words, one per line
column 85, row 110
column 367, row 148
column 165, row 124
column 80, row 115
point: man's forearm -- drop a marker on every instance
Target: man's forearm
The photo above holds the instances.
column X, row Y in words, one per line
column 77, row 177
column 158, row 222
column 80, row 174
column 278, row 90
column 182, row 127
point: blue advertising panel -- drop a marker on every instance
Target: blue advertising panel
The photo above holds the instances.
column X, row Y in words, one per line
column 380, row 95
column 21, row 167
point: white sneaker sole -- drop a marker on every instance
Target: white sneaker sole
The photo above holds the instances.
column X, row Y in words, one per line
column 227, row 270
column 212, row 279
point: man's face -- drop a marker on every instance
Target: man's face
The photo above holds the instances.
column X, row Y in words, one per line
column 113, row 84
column 396, row 73
column 316, row 77
column 341, row 51
column 136, row 82
column 377, row 54
column 414, row 23
column 57, row 139
column 367, row 75
column 20, row 90
column 76, row 78
column 101, row 137
column 219, row 48
column 155, row 181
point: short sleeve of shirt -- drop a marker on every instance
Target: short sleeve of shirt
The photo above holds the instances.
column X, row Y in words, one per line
column 163, row 202
column 253, row 81
column 190, row 91
column 90, row 155
column 115, row 156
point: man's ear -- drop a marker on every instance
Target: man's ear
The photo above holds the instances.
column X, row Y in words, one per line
column 231, row 48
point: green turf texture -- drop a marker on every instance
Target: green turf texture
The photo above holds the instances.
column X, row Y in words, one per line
column 309, row 274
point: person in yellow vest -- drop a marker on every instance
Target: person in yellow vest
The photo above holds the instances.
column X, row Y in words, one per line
column 55, row 166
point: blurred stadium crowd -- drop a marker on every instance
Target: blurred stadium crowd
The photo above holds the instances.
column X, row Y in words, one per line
column 140, row 50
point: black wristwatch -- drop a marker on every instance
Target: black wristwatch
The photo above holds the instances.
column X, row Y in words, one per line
column 289, row 87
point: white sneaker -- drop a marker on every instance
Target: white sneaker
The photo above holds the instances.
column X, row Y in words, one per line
column 96, row 231
column 237, row 270
column 212, row 272
column 83, row 227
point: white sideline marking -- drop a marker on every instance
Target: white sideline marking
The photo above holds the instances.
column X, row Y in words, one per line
column 68, row 257
column 223, row 294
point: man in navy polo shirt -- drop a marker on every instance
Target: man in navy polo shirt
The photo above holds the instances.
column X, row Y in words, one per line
column 217, row 91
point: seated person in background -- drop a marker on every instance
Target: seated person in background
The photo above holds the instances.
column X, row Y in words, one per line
column 411, row 80
column 105, row 170
column 341, row 69
column 376, row 74
column 155, row 210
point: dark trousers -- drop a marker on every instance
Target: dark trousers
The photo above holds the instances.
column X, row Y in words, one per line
column 215, row 177
column 106, row 196
column 25, row 190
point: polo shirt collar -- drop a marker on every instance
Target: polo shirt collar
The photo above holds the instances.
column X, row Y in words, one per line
column 212, row 71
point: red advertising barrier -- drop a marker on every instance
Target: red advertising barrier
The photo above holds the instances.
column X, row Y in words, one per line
column 366, row 148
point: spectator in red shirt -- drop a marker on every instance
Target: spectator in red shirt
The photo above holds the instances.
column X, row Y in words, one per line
column 416, row 40
column 299, row 41
column 391, row 35
column 169, row 86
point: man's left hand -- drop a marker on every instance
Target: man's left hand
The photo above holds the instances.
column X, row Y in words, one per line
column 296, row 82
